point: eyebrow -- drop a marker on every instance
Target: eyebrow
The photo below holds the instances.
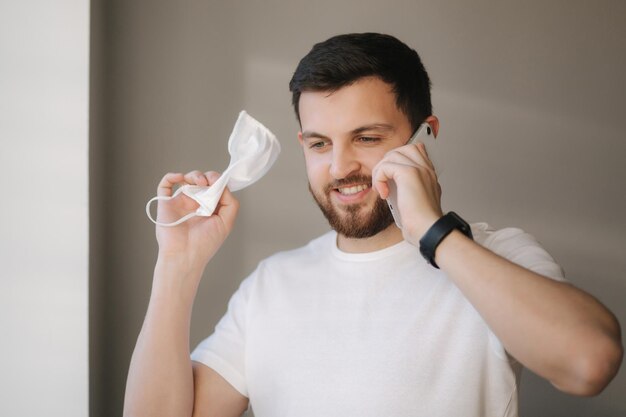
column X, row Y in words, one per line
column 311, row 134
column 377, row 127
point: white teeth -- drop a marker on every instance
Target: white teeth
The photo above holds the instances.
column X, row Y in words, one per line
column 353, row 190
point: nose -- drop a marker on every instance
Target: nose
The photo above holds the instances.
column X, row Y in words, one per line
column 344, row 162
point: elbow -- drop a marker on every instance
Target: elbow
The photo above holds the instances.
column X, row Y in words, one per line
column 599, row 371
column 593, row 371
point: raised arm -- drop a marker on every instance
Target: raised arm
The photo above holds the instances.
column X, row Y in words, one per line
column 556, row 330
column 161, row 376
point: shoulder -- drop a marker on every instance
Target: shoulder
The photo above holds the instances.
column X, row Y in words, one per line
column 501, row 240
column 519, row 247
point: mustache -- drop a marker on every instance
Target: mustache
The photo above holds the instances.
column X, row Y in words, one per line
column 354, row 179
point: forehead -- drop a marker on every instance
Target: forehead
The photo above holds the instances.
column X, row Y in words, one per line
column 367, row 101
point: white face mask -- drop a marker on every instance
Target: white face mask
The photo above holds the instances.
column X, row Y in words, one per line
column 253, row 150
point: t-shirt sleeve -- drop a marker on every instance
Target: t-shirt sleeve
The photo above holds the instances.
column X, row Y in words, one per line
column 522, row 249
column 224, row 351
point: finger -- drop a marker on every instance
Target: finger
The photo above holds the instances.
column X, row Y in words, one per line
column 384, row 172
column 382, row 188
column 415, row 152
column 164, row 189
column 387, row 170
column 196, row 178
column 381, row 175
column 212, row 176
column 398, row 157
column 410, row 157
column 227, row 208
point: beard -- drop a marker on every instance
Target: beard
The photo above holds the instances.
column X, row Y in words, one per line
column 350, row 220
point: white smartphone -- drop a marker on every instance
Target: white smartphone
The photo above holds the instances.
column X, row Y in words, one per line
column 425, row 135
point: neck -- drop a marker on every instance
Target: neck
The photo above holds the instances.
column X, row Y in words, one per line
column 388, row 237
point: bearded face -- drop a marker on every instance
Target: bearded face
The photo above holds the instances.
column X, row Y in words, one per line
column 358, row 220
column 344, row 134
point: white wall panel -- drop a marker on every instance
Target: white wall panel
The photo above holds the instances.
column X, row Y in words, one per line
column 44, row 207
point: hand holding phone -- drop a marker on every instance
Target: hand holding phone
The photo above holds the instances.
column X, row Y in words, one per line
column 426, row 135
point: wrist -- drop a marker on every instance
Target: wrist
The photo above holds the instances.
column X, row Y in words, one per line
column 414, row 229
column 425, row 225
column 439, row 231
column 173, row 271
column 182, row 261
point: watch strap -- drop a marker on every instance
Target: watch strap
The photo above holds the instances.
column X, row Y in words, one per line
column 438, row 231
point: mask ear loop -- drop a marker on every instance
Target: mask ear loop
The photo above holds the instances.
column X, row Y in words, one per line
column 165, row 198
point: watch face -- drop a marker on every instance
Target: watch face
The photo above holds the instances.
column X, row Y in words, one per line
column 463, row 225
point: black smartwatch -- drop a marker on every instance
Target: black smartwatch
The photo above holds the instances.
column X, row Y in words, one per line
column 438, row 231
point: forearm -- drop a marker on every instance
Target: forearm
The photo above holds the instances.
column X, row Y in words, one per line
column 554, row 329
column 160, row 379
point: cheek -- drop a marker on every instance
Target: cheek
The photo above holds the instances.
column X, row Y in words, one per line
column 316, row 168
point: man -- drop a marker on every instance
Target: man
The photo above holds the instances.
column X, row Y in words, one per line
column 358, row 322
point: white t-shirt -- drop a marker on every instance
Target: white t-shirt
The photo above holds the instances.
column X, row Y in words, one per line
column 320, row 332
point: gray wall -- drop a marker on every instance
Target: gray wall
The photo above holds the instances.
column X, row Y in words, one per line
column 530, row 97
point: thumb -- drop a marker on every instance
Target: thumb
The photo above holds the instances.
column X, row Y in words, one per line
column 227, row 208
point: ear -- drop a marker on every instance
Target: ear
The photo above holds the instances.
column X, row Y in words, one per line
column 433, row 121
column 300, row 138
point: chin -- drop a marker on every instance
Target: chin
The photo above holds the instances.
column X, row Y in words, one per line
column 358, row 221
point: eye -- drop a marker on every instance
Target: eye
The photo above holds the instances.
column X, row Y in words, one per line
column 320, row 144
column 368, row 139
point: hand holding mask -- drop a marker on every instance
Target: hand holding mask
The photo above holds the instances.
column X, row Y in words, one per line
column 253, row 150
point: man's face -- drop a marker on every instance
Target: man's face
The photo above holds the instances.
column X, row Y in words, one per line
column 344, row 135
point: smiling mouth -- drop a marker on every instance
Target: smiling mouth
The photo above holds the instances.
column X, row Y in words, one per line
column 353, row 189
